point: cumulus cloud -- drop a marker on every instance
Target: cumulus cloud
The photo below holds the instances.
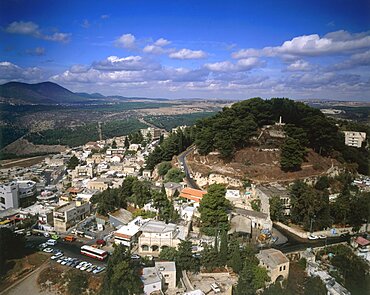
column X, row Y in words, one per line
column 32, row 29
column 241, row 65
column 13, row 72
column 38, row 51
column 126, row 41
column 161, row 42
column 188, row 54
column 129, row 63
column 339, row 42
column 299, row 65
column 356, row 60
column 157, row 47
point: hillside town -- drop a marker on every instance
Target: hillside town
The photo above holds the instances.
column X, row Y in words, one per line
column 68, row 200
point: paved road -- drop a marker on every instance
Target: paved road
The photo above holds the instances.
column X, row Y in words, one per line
column 69, row 249
column 296, row 244
column 182, row 159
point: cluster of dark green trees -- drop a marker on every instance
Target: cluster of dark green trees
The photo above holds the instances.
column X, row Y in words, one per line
column 310, row 206
column 122, row 276
column 137, row 193
column 173, row 145
column 11, row 247
column 306, row 127
column 214, row 209
column 350, row 270
column 225, row 252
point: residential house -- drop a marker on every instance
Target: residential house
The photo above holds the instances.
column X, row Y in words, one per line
column 127, row 234
column 276, row 263
column 159, row 278
column 83, row 171
column 171, row 188
column 99, row 184
column 192, row 195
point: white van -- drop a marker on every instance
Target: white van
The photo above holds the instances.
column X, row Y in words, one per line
column 51, row 242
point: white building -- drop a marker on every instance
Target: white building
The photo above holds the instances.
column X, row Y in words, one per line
column 157, row 235
column 9, row 196
column 354, row 139
column 160, row 277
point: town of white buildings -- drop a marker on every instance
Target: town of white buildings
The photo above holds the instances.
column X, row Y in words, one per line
column 60, row 199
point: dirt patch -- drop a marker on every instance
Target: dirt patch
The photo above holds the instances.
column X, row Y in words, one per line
column 21, row 162
column 24, row 147
column 258, row 165
column 21, row 267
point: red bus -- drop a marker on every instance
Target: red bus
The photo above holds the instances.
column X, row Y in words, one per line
column 93, row 252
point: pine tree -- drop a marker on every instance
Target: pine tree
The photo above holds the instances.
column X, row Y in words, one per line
column 223, row 248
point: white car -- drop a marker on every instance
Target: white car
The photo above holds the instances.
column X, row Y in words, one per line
column 43, row 245
column 48, row 250
column 57, row 255
column 61, row 259
column 65, row 261
column 312, row 237
column 81, row 264
column 90, row 269
column 98, row 269
column 86, row 266
column 322, row 237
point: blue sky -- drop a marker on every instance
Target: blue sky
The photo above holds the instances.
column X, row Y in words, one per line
column 186, row 49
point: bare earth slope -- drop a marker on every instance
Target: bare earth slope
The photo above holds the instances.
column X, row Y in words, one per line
column 258, row 165
column 24, row 147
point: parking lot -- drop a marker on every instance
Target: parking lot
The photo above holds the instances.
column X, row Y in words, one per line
column 69, row 250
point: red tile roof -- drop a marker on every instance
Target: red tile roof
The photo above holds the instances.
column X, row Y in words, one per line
column 192, row 194
column 362, row 241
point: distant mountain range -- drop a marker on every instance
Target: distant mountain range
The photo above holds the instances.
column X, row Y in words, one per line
column 52, row 93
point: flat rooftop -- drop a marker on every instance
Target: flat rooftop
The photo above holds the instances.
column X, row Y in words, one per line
column 158, row 227
column 274, row 190
column 165, row 265
column 66, row 207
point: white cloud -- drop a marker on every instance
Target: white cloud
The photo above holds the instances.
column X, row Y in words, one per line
column 339, row 42
column 12, row 72
column 154, row 49
column 188, row 54
column 356, row 60
column 126, row 41
column 105, row 16
column 299, row 65
column 161, row 42
column 32, row 29
column 241, row 65
column 129, row 63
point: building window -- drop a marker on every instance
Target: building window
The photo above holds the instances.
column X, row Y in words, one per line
column 284, row 267
column 2, row 200
column 281, row 268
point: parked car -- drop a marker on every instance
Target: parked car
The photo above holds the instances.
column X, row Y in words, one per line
column 90, row 269
column 312, row 237
column 61, row 259
column 135, row 256
column 57, row 255
column 86, row 266
column 81, row 264
column 48, row 250
column 99, row 269
column 322, row 236
column 43, row 245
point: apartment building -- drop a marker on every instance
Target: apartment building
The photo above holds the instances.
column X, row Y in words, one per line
column 83, row 171
column 354, row 139
column 159, row 278
column 154, row 133
column 9, row 196
column 69, row 214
